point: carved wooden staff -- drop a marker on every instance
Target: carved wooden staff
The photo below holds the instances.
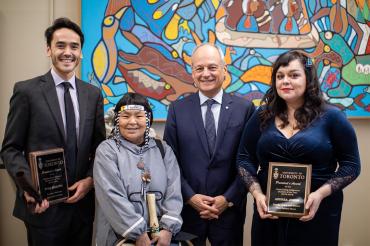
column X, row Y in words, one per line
column 153, row 219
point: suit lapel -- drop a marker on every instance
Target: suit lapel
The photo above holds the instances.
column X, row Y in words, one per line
column 50, row 93
column 196, row 115
column 82, row 102
column 225, row 113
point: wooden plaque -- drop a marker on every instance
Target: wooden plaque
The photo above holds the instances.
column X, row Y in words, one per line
column 288, row 188
column 49, row 175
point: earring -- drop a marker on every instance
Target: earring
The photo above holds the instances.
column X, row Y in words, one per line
column 309, row 62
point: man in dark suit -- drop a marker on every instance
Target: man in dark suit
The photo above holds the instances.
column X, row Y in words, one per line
column 56, row 110
column 204, row 130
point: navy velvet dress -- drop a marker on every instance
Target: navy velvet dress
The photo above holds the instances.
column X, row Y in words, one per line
column 329, row 144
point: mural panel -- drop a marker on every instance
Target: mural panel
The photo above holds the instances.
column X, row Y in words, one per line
column 145, row 46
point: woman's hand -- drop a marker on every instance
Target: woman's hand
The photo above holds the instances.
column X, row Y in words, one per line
column 314, row 200
column 261, row 204
column 261, row 201
column 312, row 205
column 164, row 238
column 143, row 240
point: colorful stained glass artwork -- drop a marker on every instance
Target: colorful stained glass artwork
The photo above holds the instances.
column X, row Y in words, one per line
column 145, row 46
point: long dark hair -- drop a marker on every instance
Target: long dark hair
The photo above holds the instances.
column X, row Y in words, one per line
column 313, row 99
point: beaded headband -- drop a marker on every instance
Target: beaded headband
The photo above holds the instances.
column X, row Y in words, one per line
column 132, row 107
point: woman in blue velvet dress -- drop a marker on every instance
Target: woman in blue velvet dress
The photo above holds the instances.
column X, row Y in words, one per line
column 295, row 125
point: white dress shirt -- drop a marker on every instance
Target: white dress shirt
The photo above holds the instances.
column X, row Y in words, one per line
column 60, row 93
column 216, row 107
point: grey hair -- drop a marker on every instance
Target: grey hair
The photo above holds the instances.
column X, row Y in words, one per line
column 220, row 52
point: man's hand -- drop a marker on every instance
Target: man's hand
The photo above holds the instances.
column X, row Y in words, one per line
column 36, row 208
column 202, row 202
column 220, row 204
column 205, row 206
column 208, row 215
column 81, row 188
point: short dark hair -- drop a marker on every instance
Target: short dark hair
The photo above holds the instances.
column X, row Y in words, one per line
column 313, row 98
column 137, row 99
column 60, row 23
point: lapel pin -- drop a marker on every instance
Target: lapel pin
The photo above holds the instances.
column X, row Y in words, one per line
column 227, row 107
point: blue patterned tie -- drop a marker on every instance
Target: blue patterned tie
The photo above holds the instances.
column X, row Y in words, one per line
column 210, row 126
column 71, row 148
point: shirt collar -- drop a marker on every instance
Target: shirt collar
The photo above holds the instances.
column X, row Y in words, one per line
column 217, row 98
column 58, row 80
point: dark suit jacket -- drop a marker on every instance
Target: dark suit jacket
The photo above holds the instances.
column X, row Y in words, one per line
column 201, row 173
column 35, row 123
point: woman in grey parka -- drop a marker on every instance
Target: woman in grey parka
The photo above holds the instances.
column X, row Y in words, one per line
column 128, row 165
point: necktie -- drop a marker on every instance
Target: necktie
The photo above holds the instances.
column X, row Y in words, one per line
column 210, row 126
column 71, row 135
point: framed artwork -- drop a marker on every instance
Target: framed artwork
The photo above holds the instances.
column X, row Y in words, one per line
column 145, row 46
